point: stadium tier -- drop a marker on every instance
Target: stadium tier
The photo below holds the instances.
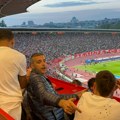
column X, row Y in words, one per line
column 68, row 52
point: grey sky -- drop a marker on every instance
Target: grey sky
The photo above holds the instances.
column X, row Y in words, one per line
column 64, row 10
column 68, row 4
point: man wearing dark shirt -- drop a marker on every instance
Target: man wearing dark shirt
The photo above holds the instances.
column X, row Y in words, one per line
column 43, row 100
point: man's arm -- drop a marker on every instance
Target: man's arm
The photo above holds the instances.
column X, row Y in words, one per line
column 22, row 75
column 51, row 99
column 76, row 95
column 23, row 81
column 68, row 105
column 41, row 92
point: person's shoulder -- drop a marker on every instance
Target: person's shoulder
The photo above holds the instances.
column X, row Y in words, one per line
column 17, row 53
column 34, row 74
column 115, row 102
column 35, row 79
column 87, row 94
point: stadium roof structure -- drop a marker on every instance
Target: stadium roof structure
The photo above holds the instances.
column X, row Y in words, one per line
column 10, row 7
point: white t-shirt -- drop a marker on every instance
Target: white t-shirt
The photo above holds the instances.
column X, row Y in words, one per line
column 12, row 64
column 95, row 107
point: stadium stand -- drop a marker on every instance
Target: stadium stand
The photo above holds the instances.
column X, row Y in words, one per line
column 58, row 47
column 69, row 43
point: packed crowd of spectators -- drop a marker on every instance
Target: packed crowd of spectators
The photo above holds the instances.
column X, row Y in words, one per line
column 55, row 44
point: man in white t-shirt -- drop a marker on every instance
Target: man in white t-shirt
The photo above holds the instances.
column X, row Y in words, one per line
column 99, row 105
column 12, row 75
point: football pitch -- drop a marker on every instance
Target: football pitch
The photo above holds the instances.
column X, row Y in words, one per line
column 113, row 66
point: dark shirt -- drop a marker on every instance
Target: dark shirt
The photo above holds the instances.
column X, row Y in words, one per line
column 43, row 99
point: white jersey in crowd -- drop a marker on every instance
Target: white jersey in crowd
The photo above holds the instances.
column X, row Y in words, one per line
column 12, row 64
column 95, row 107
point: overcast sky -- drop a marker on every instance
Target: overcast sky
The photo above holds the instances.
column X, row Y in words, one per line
column 63, row 10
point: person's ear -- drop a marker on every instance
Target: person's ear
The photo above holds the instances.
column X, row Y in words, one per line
column 32, row 66
column 12, row 43
column 94, row 87
column 112, row 92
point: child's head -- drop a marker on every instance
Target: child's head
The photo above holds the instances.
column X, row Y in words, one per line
column 105, row 83
column 91, row 83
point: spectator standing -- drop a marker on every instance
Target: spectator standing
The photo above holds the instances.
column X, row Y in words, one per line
column 12, row 75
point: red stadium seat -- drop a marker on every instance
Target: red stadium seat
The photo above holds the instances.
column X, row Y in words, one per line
column 5, row 116
column 63, row 87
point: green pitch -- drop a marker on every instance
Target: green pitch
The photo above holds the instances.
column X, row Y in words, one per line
column 113, row 66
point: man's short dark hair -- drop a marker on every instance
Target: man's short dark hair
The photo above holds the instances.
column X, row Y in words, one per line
column 6, row 34
column 105, row 82
column 35, row 55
